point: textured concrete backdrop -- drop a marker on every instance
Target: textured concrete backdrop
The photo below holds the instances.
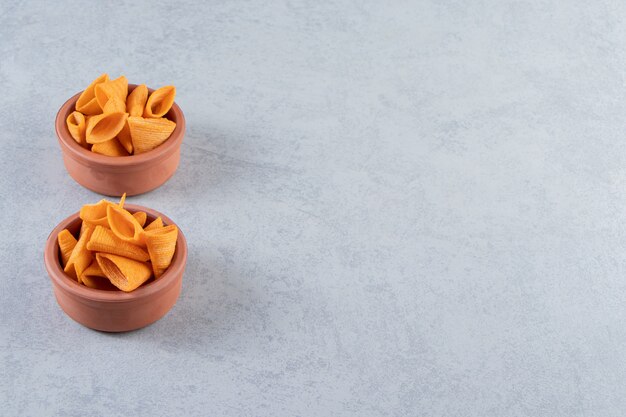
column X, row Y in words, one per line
column 393, row 208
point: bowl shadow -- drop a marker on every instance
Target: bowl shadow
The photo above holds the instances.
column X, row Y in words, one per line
column 213, row 305
column 215, row 159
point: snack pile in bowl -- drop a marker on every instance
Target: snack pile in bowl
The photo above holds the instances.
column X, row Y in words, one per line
column 111, row 121
column 114, row 251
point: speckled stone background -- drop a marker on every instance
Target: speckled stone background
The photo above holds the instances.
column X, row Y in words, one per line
column 392, row 208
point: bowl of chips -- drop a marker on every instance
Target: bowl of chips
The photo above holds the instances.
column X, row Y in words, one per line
column 120, row 138
column 116, row 267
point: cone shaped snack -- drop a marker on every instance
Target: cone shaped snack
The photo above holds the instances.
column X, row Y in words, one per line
column 147, row 134
column 124, row 225
column 80, row 258
column 85, row 226
column 77, row 126
column 136, row 101
column 160, row 102
column 117, row 87
column 161, row 245
column 87, row 103
column 96, row 214
column 67, row 242
column 104, row 240
column 114, row 105
column 156, row 224
column 125, row 139
column 94, row 270
column 126, row 274
column 111, row 147
column 93, row 277
column 122, row 201
column 141, row 217
column 104, row 127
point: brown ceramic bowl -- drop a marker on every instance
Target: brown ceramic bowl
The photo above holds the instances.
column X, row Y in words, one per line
column 115, row 311
column 115, row 176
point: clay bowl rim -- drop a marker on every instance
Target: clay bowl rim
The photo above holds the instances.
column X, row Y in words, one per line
column 67, row 284
column 87, row 157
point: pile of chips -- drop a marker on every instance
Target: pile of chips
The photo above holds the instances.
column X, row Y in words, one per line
column 113, row 250
column 111, row 121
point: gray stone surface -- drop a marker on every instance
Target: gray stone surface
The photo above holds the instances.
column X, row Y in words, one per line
column 392, row 208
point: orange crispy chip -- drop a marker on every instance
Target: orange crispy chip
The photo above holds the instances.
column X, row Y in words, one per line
column 117, row 87
column 124, row 225
column 95, row 214
column 136, row 101
column 104, row 240
column 104, row 127
column 67, row 242
column 122, row 201
column 156, row 224
column 85, row 226
column 141, row 217
column 80, row 258
column 124, row 137
column 77, row 126
column 111, row 147
column 114, row 105
column 160, row 102
column 161, row 245
column 126, row 274
column 87, row 103
column 147, row 134
column 93, row 277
